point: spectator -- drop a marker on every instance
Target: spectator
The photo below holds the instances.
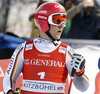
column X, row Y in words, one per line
column 97, row 8
column 67, row 5
column 35, row 31
column 84, row 24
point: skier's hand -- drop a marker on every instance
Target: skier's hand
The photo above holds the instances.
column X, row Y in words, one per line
column 88, row 3
column 78, row 63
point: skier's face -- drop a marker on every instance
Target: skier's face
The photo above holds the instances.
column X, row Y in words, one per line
column 56, row 31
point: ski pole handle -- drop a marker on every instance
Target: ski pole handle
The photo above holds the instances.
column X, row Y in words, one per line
column 72, row 76
column 73, row 72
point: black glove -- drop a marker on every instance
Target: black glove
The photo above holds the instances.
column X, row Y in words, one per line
column 78, row 63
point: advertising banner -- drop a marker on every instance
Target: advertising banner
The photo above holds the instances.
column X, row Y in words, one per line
column 91, row 54
column 3, row 67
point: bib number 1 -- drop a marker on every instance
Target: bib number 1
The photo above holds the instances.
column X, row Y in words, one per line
column 42, row 75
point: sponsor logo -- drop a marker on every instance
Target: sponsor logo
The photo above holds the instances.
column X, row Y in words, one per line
column 58, row 6
column 71, row 51
column 62, row 50
column 60, row 88
column 41, row 62
column 10, row 65
column 29, row 47
column 43, row 55
column 39, row 85
column 42, row 17
column 42, row 11
column 42, row 86
column 1, row 72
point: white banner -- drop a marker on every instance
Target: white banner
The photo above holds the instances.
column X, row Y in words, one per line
column 91, row 54
column 42, row 86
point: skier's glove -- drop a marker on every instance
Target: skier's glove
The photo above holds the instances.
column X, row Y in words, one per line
column 78, row 63
column 13, row 92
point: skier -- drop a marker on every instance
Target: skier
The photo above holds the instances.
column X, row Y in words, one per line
column 45, row 61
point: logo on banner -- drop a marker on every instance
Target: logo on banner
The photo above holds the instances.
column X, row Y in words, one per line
column 43, row 86
column 1, row 72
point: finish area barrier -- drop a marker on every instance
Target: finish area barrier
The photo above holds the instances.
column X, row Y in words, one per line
column 3, row 67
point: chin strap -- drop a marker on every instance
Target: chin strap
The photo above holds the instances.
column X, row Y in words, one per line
column 53, row 40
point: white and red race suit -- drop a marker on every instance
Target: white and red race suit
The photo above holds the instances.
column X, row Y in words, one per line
column 45, row 67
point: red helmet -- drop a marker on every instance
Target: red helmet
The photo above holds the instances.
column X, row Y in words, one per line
column 44, row 11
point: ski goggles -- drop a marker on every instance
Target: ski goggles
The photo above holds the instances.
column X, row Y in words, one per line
column 57, row 19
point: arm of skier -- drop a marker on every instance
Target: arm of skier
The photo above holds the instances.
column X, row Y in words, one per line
column 13, row 71
column 80, row 80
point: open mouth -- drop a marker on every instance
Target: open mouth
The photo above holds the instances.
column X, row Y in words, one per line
column 59, row 31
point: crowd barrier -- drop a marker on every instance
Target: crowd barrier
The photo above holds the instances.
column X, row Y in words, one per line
column 78, row 43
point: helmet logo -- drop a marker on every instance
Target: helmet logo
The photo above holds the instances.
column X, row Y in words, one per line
column 42, row 17
column 42, row 11
column 58, row 6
